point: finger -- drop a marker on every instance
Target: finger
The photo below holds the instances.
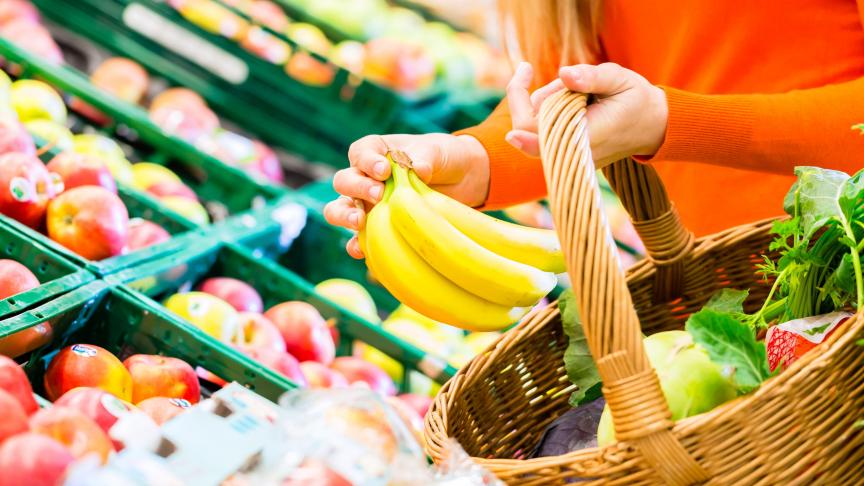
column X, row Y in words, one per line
column 434, row 165
column 352, row 182
column 343, row 212
column 519, row 99
column 606, row 79
column 368, row 155
column 525, row 141
column 353, row 248
column 540, row 94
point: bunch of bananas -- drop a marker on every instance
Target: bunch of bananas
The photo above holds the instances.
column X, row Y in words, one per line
column 453, row 263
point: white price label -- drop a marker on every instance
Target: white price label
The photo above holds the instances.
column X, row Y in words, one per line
column 159, row 29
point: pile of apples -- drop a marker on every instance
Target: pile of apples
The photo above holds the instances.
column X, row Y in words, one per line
column 91, row 388
column 291, row 338
column 183, row 113
column 73, row 198
column 21, row 23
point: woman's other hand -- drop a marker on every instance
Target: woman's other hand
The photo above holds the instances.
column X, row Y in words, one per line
column 454, row 165
column 627, row 116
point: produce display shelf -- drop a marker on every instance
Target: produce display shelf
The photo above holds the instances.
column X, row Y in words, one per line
column 56, row 274
column 468, row 106
column 124, row 323
column 316, row 122
column 229, row 194
column 276, row 284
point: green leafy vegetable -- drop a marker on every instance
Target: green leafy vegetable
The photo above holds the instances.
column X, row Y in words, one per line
column 730, row 343
column 578, row 361
column 728, row 300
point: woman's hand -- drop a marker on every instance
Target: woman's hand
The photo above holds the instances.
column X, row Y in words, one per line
column 454, row 165
column 627, row 117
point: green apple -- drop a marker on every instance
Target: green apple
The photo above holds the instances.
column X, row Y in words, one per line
column 106, row 150
column 691, row 382
column 209, row 313
column 188, row 208
column 350, row 295
column 51, row 132
column 37, row 100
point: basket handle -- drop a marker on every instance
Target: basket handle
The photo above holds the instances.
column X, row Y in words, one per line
column 656, row 220
column 631, row 387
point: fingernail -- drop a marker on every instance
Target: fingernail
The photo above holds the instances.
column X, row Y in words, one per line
column 375, row 192
column 512, row 140
column 380, row 169
column 354, row 219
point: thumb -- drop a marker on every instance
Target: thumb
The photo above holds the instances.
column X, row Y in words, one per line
column 605, row 79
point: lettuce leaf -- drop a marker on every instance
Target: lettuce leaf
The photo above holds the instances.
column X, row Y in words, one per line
column 578, row 361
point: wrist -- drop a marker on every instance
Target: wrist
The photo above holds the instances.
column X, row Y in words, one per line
column 477, row 175
column 656, row 123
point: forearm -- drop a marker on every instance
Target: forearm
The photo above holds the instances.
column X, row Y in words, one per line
column 513, row 176
column 767, row 132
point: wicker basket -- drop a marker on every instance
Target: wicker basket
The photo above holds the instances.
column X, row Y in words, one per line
column 798, row 428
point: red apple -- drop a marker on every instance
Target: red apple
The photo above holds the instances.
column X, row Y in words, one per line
column 239, row 294
column 100, row 406
column 87, row 365
column 268, row 13
column 14, row 418
column 14, row 137
column 307, row 336
column 26, row 187
column 283, row 363
column 420, row 403
column 143, row 233
column 91, row 221
column 14, row 382
column 34, row 460
column 403, row 66
column 320, row 376
column 258, row 332
column 73, row 429
column 162, row 376
column 163, row 409
column 18, row 9
column 34, row 38
column 172, row 188
column 15, row 278
column 184, row 113
column 124, row 78
column 357, row 370
column 82, row 170
column 266, row 163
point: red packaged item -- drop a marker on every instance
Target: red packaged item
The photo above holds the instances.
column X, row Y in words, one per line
column 789, row 341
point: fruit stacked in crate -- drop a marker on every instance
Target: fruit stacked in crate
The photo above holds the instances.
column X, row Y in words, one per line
column 394, row 46
column 74, row 198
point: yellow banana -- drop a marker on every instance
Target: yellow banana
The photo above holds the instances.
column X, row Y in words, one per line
column 537, row 247
column 414, row 283
column 459, row 258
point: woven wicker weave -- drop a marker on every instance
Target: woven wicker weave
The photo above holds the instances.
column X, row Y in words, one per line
column 798, row 428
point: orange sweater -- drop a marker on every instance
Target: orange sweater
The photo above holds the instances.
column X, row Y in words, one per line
column 752, row 91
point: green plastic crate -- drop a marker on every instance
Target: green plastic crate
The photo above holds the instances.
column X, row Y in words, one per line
column 316, row 122
column 276, row 284
column 227, row 193
column 122, row 322
column 56, row 274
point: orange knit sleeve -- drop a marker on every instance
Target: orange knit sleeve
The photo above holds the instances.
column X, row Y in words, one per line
column 768, row 132
column 513, row 176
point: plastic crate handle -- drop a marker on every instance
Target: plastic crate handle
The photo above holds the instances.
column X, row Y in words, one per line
column 631, row 387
